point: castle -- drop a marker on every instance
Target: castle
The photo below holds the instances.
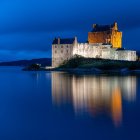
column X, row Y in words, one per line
column 104, row 41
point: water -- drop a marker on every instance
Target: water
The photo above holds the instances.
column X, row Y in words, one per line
column 50, row 106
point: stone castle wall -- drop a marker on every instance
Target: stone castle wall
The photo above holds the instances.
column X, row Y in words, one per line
column 62, row 52
column 126, row 55
column 90, row 50
column 99, row 50
column 106, row 34
column 115, row 38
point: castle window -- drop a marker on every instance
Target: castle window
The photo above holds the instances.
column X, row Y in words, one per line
column 55, row 51
column 61, row 51
column 67, row 51
column 61, row 46
column 67, row 46
column 55, row 46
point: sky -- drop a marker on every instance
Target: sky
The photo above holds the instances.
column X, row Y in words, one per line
column 28, row 27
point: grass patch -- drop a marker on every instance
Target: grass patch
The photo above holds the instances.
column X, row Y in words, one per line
column 103, row 64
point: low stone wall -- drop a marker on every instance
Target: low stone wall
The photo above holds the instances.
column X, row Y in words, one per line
column 103, row 51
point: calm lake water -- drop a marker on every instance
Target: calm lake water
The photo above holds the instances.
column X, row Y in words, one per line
column 50, row 106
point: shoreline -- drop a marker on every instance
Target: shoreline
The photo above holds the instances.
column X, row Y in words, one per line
column 98, row 71
column 88, row 71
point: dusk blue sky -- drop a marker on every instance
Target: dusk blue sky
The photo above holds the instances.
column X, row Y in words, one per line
column 28, row 27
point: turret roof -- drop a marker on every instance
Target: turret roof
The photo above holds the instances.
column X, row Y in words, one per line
column 101, row 28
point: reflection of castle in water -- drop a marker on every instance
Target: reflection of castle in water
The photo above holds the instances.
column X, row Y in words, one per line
column 94, row 94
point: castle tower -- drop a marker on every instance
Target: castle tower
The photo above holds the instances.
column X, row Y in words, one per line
column 108, row 34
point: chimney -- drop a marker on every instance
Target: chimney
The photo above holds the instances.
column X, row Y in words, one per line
column 59, row 40
column 115, row 26
column 94, row 25
column 75, row 40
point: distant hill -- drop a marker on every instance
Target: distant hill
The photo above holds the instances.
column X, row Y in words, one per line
column 42, row 61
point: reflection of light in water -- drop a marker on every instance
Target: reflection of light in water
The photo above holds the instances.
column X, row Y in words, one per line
column 116, row 106
column 94, row 94
column 129, row 88
column 61, row 88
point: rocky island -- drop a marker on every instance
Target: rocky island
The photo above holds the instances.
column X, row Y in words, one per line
column 102, row 53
